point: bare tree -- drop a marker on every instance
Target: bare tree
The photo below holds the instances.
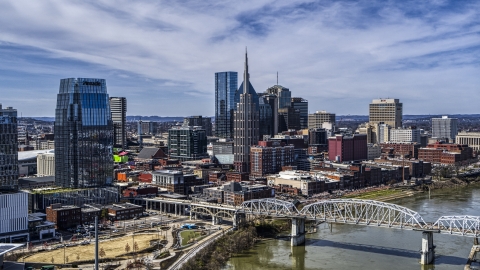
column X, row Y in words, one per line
column 127, row 248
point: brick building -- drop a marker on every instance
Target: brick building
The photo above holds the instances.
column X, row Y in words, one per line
column 268, row 157
column 124, row 211
column 408, row 149
column 445, row 153
column 236, row 193
column 64, row 216
column 143, row 190
column 347, row 148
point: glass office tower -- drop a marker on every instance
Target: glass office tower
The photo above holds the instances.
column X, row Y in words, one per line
column 83, row 134
column 225, row 87
column 8, row 148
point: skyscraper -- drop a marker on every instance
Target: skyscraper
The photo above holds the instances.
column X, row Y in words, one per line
column 284, row 96
column 118, row 107
column 83, row 134
column 386, row 111
column 225, row 87
column 302, row 105
column 8, row 148
column 246, row 123
column 445, row 128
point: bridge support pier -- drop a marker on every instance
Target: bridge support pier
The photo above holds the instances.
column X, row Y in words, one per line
column 214, row 220
column 427, row 252
column 298, row 231
column 238, row 219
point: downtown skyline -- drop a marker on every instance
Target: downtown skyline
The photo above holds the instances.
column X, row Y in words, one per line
column 339, row 55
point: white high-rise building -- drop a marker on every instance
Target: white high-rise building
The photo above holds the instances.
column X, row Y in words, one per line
column 445, row 128
column 46, row 164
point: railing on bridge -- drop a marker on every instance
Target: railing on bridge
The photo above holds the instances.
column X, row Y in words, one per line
column 364, row 212
column 269, row 207
column 458, row 225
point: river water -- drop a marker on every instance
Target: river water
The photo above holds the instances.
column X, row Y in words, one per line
column 361, row 247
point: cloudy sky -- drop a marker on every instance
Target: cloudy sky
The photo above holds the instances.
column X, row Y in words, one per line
column 162, row 55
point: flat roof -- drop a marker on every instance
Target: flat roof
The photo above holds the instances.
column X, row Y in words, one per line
column 4, row 248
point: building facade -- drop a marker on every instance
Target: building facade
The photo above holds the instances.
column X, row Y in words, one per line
column 64, row 216
column 226, row 84
column 187, row 143
column 246, row 123
column 387, row 111
column 472, row 139
column 404, row 135
column 302, row 105
column 46, row 164
column 269, row 157
column 199, row 121
column 13, row 216
column 316, row 120
column 118, row 107
column 83, row 134
column 445, row 128
column 343, row 148
column 8, row 148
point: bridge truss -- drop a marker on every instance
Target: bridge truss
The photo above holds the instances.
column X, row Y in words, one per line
column 458, row 225
column 364, row 212
column 269, row 207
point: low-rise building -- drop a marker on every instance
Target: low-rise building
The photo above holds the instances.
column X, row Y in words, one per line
column 13, row 217
column 235, row 193
column 472, row 139
column 445, row 153
column 64, row 216
column 124, row 211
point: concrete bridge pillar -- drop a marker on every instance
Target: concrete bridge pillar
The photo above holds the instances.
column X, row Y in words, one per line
column 238, row 219
column 298, row 231
column 427, row 252
column 214, row 220
column 176, row 213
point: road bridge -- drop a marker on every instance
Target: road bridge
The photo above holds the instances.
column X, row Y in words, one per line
column 347, row 211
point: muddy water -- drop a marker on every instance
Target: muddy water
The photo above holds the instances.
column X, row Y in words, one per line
column 361, row 247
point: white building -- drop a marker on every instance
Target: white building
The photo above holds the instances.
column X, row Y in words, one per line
column 374, row 151
column 445, row 128
column 472, row 139
column 13, row 216
column 46, row 164
column 405, row 135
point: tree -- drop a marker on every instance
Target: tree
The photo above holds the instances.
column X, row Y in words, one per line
column 66, row 259
column 52, row 260
column 127, row 248
column 78, row 257
column 102, row 253
column 135, row 246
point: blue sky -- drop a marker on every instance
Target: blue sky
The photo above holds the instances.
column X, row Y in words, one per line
column 162, row 55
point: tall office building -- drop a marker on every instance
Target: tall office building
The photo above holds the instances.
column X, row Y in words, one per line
column 226, row 84
column 199, row 121
column 302, row 105
column 284, row 96
column 316, row 120
column 246, row 123
column 387, row 111
column 445, row 128
column 83, row 134
column 187, row 143
column 8, row 148
column 118, row 107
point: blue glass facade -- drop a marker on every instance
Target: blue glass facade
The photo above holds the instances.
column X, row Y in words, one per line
column 225, row 87
column 83, row 134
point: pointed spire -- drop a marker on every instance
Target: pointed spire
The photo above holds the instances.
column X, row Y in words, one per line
column 246, row 82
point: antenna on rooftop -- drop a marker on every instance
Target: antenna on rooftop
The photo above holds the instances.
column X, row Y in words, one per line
column 277, row 77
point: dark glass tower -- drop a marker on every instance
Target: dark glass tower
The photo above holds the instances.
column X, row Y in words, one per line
column 83, row 134
column 118, row 107
column 8, row 148
column 225, row 86
column 246, row 123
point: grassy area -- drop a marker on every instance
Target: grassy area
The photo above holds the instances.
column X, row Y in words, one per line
column 371, row 195
column 112, row 248
column 187, row 235
column 54, row 190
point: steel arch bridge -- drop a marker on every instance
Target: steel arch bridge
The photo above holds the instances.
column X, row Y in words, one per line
column 364, row 212
column 458, row 225
column 268, row 207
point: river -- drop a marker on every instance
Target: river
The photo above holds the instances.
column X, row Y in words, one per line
column 361, row 247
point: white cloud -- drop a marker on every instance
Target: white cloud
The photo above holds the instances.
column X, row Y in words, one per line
column 323, row 51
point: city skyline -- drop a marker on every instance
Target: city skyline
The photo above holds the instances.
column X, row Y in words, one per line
column 338, row 55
